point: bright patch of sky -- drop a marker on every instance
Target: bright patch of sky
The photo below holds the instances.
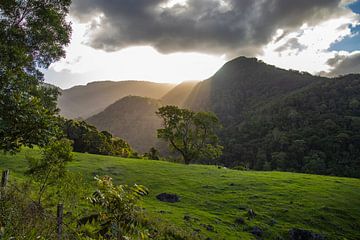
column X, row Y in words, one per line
column 84, row 64
column 310, row 48
column 307, row 48
column 351, row 42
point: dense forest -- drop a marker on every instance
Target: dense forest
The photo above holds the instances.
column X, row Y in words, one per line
column 315, row 130
column 276, row 119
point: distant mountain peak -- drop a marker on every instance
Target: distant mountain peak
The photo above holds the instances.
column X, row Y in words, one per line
column 85, row 101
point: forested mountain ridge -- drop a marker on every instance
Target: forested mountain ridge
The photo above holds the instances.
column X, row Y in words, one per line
column 276, row 119
column 273, row 119
column 85, row 101
column 132, row 118
column 315, row 130
column 242, row 85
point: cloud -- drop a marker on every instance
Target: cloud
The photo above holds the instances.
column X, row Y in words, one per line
column 307, row 48
column 230, row 27
column 292, row 44
column 344, row 64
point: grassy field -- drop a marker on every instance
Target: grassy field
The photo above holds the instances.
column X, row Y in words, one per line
column 213, row 198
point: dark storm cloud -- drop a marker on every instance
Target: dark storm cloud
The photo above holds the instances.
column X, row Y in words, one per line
column 213, row 26
column 292, row 44
column 345, row 64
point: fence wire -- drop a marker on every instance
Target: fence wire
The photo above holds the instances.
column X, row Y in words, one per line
column 68, row 231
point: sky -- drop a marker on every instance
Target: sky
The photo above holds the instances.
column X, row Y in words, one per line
column 179, row 40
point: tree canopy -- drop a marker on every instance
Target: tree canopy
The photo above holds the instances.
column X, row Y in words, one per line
column 33, row 34
column 87, row 138
column 192, row 134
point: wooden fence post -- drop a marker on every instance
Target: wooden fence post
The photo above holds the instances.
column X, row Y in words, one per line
column 60, row 209
column 5, row 178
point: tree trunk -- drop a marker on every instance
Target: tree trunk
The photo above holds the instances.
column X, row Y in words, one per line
column 186, row 160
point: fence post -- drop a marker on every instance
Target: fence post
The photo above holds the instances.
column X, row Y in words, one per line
column 5, row 178
column 60, row 209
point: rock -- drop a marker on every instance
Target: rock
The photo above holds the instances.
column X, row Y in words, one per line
column 168, row 197
column 257, row 231
column 208, row 227
column 301, row 234
column 239, row 221
column 273, row 222
column 251, row 214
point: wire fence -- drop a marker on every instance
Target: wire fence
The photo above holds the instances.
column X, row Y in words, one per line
column 59, row 228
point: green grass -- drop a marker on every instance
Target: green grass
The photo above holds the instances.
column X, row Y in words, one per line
column 211, row 196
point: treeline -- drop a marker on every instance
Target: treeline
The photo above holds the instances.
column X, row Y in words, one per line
column 88, row 139
column 315, row 130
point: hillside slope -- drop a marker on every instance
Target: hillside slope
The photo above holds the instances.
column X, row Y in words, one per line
column 132, row 118
column 85, row 101
column 214, row 202
column 314, row 130
column 179, row 94
column 276, row 119
column 243, row 84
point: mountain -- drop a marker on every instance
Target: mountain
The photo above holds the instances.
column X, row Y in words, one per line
column 276, row 119
column 273, row 119
column 85, row 101
column 132, row 118
column 313, row 130
column 179, row 94
column 242, row 85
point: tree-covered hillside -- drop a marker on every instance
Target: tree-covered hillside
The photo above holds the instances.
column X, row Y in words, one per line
column 314, row 130
column 284, row 120
column 132, row 118
column 243, row 84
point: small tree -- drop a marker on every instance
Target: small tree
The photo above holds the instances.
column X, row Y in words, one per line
column 189, row 133
column 49, row 169
column 118, row 214
column 153, row 154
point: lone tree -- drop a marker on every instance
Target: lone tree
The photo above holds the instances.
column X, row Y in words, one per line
column 192, row 134
column 33, row 34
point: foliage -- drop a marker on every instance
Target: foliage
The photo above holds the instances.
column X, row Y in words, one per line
column 189, row 133
column 119, row 212
column 21, row 218
column 32, row 36
column 276, row 119
column 153, row 154
column 88, row 139
column 49, row 169
column 314, row 130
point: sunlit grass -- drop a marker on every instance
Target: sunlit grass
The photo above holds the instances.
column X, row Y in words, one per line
column 217, row 197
